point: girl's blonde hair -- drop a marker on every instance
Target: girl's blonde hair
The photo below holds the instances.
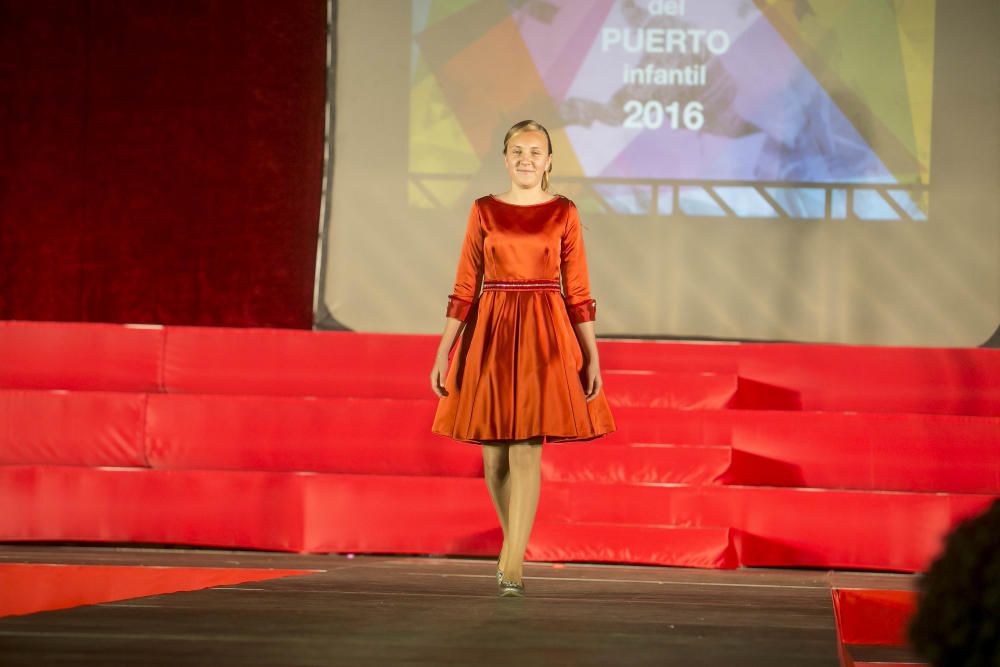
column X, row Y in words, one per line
column 530, row 126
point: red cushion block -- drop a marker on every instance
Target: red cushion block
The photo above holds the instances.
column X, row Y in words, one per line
column 278, row 361
column 931, row 453
column 443, row 515
column 835, row 377
column 202, row 508
column 876, row 617
column 57, row 355
column 75, row 428
column 343, row 435
column 296, row 363
column 876, row 451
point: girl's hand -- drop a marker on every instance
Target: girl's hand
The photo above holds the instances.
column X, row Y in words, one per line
column 592, row 382
column 438, row 374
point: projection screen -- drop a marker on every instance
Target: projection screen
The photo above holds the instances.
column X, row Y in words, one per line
column 796, row 170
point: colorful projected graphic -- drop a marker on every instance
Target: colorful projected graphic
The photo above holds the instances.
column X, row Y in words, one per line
column 816, row 109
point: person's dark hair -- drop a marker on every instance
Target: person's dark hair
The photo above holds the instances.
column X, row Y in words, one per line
column 530, row 126
column 957, row 621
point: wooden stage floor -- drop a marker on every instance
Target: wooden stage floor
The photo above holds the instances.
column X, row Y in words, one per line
column 387, row 610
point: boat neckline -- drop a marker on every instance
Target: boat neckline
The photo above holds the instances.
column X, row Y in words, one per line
column 542, row 203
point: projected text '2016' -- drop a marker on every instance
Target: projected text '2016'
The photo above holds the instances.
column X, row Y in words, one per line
column 655, row 114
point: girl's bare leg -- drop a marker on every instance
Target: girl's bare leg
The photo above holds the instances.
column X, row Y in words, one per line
column 525, row 458
column 497, row 472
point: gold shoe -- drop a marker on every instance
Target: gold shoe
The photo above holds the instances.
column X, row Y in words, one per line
column 499, row 573
column 510, row 589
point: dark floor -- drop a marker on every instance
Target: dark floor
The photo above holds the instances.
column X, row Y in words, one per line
column 373, row 610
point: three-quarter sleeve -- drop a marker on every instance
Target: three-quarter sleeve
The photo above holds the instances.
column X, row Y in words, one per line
column 470, row 269
column 576, row 281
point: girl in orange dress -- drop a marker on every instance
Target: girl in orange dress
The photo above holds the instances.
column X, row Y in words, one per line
column 526, row 370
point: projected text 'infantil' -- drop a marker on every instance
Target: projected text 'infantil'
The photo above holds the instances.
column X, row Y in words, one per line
column 673, row 43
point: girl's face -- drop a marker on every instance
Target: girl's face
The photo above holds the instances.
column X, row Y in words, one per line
column 527, row 158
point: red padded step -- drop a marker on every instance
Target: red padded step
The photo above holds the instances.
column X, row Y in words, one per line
column 370, row 436
column 264, row 361
column 383, row 436
column 694, row 391
column 203, row 508
column 808, row 377
column 871, row 451
column 297, row 363
column 384, row 514
column 77, row 428
column 836, row 377
column 780, row 527
column 826, row 377
column 647, row 545
column 47, row 355
column 636, row 463
column 871, row 530
column 376, row 513
column 320, row 513
column 60, row 355
column 887, row 452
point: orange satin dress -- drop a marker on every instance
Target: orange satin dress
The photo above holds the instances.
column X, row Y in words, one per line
column 517, row 367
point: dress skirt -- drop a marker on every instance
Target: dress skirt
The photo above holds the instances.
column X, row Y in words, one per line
column 517, row 372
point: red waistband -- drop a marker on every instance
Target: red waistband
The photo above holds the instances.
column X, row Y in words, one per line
column 522, row 284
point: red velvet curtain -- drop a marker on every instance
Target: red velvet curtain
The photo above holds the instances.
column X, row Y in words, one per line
column 161, row 162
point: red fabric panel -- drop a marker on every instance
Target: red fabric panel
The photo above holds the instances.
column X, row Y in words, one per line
column 785, row 527
column 315, row 513
column 835, row 377
column 83, row 429
column 842, row 529
column 880, row 452
column 646, row 545
column 161, row 162
column 883, row 452
column 806, row 377
column 268, row 361
column 636, row 464
column 891, row 452
column 380, row 514
column 456, row 516
column 51, row 355
column 245, row 510
column 876, row 617
column 375, row 513
column 286, row 434
column 30, row 588
column 675, row 427
column 887, row 452
column 754, row 395
column 299, row 363
column 695, row 390
column 676, row 390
